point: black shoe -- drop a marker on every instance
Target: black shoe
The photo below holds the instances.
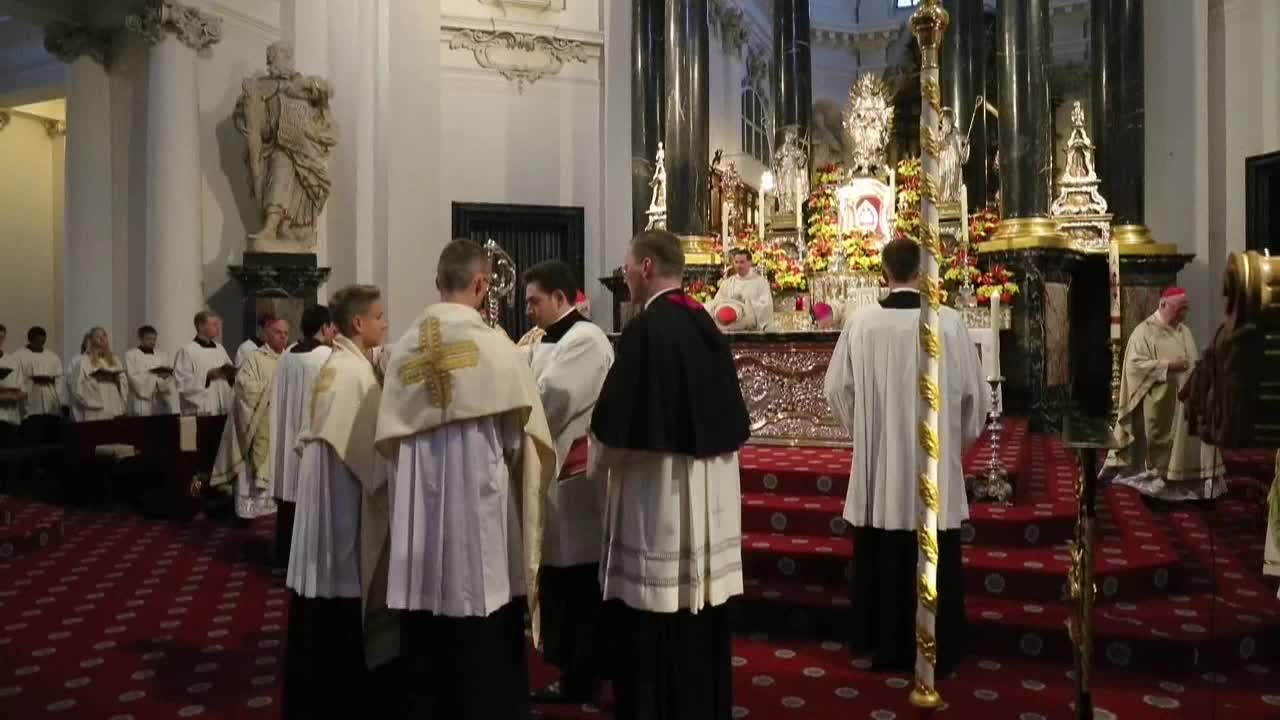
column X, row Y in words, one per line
column 561, row 693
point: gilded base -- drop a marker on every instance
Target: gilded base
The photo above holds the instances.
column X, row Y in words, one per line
column 1137, row 240
column 926, row 698
column 1026, row 233
column 699, row 250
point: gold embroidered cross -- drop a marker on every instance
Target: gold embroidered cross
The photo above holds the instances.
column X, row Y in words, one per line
column 324, row 383
column 434, row 360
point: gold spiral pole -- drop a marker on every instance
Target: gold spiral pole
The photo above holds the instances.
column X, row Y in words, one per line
column 927, row 24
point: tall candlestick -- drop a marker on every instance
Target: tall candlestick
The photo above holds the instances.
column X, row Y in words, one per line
column 995, row 333
column 964, row 223
column 1113, row 262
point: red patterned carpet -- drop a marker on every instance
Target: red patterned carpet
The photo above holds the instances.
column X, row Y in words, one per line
column 132, row 618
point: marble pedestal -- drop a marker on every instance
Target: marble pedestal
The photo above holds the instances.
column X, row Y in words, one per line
column 282, row 284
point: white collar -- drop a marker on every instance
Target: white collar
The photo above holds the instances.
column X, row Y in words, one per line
column 657, row 295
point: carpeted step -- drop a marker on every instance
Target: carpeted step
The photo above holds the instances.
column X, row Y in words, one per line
column 32, row 526
column 813, row 516
column 6, row 511
column 1251, row 462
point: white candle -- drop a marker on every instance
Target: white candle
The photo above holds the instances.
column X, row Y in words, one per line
column 995, row 333
column 760, row 215
column 1113, row 267
column 964, row 222
column 893, row 198
column 724, row 224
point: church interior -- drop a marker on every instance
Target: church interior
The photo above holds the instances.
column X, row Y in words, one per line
column 1074, row 171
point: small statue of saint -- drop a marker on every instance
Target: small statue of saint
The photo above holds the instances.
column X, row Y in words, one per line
column 955, row 153
column 287, row 122
column 791, row 166
column 1079, row 149
column 658, row 201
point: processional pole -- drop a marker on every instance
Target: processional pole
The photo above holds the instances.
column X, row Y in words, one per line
column 928, row 24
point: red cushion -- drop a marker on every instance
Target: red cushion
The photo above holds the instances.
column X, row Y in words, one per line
column 726, row 315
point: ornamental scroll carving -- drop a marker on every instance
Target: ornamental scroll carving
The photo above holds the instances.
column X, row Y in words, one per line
column 194, row 28
column 521, row 58
column 782, row 386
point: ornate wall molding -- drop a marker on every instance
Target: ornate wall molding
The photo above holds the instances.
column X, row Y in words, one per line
column 68, row 42
column 194, row 28
column 540, row 6
column 4, row 119
column 55, row 128
column 522, row 58
column 733, row 26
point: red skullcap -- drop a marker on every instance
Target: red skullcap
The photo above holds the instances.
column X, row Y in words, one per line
column 726, row 315
column 821, row 311
column 579, row 298
column 1173, row 292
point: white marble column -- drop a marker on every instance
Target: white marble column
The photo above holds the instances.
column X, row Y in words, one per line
column 174, row 287
column 89, row 278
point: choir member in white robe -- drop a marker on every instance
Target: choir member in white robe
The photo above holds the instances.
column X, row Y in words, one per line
column 340, row 629
column 99, row 386
column 252, row 344
column 244, row 455
column 204, row 371
column 42, row 382
column 471, row 456
column 1157, row 454
column 666, row 429
column 743, row 300
column 290, row 405
column 11, row 398
column 569, row 361
column 872, row 385
column 153, row 389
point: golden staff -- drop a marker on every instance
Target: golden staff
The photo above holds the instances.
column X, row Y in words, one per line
column 928, row 24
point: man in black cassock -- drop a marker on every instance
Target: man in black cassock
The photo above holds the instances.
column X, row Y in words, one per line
column 666, row 431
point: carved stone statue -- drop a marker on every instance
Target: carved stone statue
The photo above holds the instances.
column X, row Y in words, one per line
column 1078, row 188
column 658, row 201
column 1079, row 149
column 869, row 123
column 286, row 120
column 826, row 136
column 955, row 153
column 791, row 167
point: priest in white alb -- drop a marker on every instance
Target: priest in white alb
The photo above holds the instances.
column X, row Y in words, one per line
column 290, row 404
column 251, row 344
column 472, row 458
column 743, row 300
column 243, row 462
column 204, row 371
column 42, row 382
column 872, row 384
column 340, row 630
column 98, row 387
column 569, row 361
column 153, row 388
column 1156, row 453
column 665, row 433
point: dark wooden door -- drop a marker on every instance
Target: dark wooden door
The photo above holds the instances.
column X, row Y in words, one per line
column 1262, row 203
column 529, row 234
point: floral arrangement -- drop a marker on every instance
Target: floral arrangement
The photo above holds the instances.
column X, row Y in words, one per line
column 997, row 281
column 784, row 273
column 982, row 226
column 861, row 251
column 701, row 290
column 823, row 220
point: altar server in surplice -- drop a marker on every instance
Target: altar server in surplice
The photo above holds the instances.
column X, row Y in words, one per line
column 569, row 362
column 153, row 389
column 244, row 455
column 472, row 458
column 667, row 427
column 204, row 370
column 872, row 386
column 98, row 388
column 295, row 377
column 42, row 382
column 339, row 627
column 11, row 397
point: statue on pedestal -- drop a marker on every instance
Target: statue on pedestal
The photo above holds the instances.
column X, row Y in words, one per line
column 791, row 168
column 955, row 153
column 658, row 201
column 869, row 124
column 1078, row 192
column 287, row 122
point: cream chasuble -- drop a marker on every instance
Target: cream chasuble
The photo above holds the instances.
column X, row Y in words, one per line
column 1156, row 453
column 570, row 373
column 751, row 299
column 247, row 348
column 343, row 415
column 151, row 392
column 1271, row 558
column 290, row 406
column 461, row 415
column 197, row 394
column 873, row 368
column 244, row 455
column 42, row 381
column 97, row 389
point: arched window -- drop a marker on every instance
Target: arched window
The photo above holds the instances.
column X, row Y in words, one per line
column 755, row 138
column 900, row 4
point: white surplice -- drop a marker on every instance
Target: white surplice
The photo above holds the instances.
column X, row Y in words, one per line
column 456, row 546
column 655, row 564
column 243, row 352
column 295, row 376
column 198, row 395
column 43, row 398
column 149, row 392
column 872, row 387
column 749, row 296
column 324, row 559
column 11, row 410
column 570, row 373
column 95, row 399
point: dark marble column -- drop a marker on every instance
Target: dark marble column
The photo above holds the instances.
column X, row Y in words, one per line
column 687, row 121
column 793, row 95
column 648, row 88
column 1023, row 54
column 964, row 78
column 1115, row 51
